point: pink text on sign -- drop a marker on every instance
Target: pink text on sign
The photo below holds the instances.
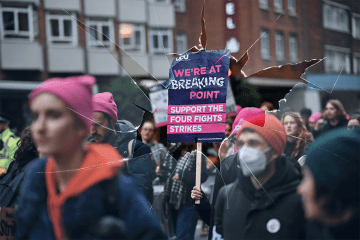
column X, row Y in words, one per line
column 197, row 118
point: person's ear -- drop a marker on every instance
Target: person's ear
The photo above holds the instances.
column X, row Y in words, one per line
column 6, row 125
column 112, row 122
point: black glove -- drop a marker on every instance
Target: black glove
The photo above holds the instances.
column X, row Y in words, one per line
column 1, row 144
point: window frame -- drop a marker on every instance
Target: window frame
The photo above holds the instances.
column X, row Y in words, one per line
column 292, row 7
column 355, row 33
column 279, row 49
column 293, row 58
column 278, row 6
column 333, row 24
column 180, row 6
column 92, row 43
column 160, row 32
column 341, row 50
column 265, row 55
column 72, row 40
column 160, row 2
column 30, row 34
column 356, row 63
column 182, row 37
column 264, row 4
column 132, row 46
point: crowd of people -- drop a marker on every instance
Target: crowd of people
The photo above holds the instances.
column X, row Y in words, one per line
column 80, row 172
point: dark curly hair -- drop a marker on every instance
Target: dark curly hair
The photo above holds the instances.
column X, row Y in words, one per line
column 27, row 149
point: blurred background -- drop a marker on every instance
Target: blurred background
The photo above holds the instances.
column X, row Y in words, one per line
column 41, row 39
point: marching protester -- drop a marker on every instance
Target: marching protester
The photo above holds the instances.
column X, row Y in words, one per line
column 177, row 202
column 313, row 119
column 147, row 133
column 226, row 175
column 298, row 137
column 354, row 122
column 334, row 116
column 262, row 203
column 78, row 192
column 267, row 106
column 8, row 142
column 10, row 182
column 305, row 113
column 122, row 135
column 330, row 188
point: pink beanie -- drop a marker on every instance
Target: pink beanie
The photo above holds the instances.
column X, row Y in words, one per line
column 76, row 92
column 238, row 108
column 314, row 117
column 244, row 115
column 104, row 102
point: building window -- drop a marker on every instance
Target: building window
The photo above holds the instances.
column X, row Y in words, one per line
column 292, row 7
column 61, row 29
column 160, row 1
column 356, row 27
column 337, row 58
column 357, row 63
column 265, row 45
column 279, row 46
column 293, row 47
column 335, row 18
column 17, row 22
column 132, row 37
column 101, row 33
column 160, row 41
column 181, row 43
column 263, row 4
column 278, row 6
column 180, row 5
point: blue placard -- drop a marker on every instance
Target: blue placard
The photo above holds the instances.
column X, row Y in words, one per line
column 197, row 96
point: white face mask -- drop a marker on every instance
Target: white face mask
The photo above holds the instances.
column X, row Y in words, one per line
column 252, row 161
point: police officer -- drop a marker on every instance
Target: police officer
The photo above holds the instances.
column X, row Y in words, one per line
column 8, row 142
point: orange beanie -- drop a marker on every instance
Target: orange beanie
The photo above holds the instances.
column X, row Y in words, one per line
column 272, row 131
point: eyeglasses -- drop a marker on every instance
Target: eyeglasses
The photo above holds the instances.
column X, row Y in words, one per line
column 352, row 127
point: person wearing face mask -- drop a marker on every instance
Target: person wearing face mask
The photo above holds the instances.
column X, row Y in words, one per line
column 262, row 202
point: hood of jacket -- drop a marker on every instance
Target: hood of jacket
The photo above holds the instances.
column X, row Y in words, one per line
column 101, row 162
column 285, row 180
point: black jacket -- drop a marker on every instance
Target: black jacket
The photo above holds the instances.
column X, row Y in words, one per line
column 226, row 175
column 140, row 167
column 328, row 127
column 242, row 212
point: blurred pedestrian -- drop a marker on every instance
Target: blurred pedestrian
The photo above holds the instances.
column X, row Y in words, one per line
column 262, row 203
column 10, row 182
column 313, row 119
column 8, row 142
column 77, row 193
column 226, row 174
column 305, row 113
column 122, row 136
column 298, row 137
column 354, row 122
column 267, row 106
column 177, row 202
column 330, row 188
column 334, row 116
column 157, row 149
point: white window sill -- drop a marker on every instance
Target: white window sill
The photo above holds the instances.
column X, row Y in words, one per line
column 280, row 11
column 264, row 8
column 337, row 30
column 292, row 14
column 266, row 58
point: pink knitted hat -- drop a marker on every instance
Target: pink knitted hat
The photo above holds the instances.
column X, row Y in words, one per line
column 244, row 115
column 104, row 102
column 76, row 92
column 314, row 117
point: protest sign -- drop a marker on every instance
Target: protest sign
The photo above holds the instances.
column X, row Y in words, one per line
column 159, row 97
column 197, row 96
column 7, row 223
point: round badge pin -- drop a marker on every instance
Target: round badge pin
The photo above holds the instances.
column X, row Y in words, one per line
column 273, row 225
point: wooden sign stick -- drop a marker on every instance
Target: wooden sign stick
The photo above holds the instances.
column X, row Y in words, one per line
column 198, row 169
